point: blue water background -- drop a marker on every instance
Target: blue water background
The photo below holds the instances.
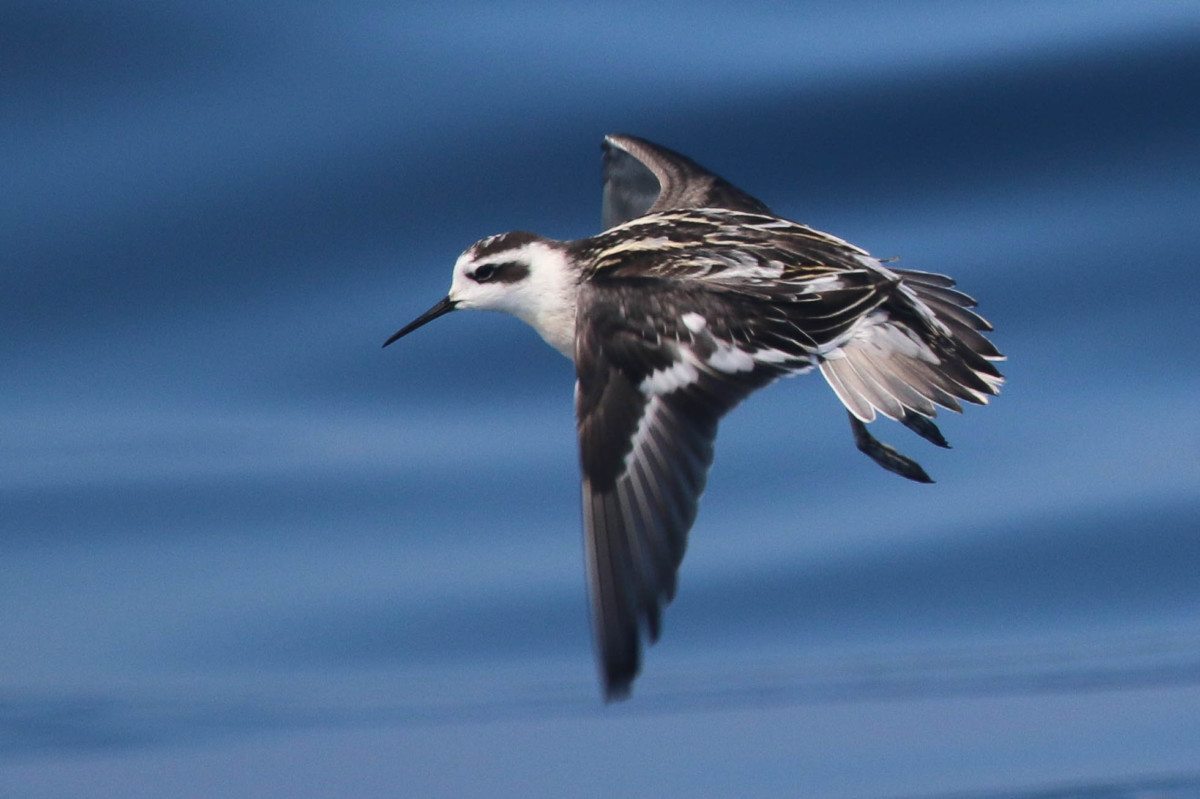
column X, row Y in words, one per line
column 245, row 552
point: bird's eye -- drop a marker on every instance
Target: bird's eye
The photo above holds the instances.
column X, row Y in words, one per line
column 485, row 273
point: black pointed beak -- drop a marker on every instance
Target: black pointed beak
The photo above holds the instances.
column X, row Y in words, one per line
column 444, row 306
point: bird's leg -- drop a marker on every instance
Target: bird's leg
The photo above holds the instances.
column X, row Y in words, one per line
column 884, row 455
column 925, row 428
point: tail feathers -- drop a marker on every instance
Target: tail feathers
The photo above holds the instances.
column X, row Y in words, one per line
column 921, row 349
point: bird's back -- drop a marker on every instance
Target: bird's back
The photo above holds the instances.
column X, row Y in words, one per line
column 716, row 244
column 784, row 294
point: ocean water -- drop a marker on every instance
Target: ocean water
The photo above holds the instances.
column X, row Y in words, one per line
column 246, row 552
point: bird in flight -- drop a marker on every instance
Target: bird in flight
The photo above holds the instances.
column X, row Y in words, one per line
column 695, row 295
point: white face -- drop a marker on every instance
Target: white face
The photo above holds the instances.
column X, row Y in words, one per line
column 523, row 275
column 511, row 272
column 518, row 273
column 489, row 282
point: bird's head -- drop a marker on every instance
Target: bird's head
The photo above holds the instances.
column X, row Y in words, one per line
column 519, row 273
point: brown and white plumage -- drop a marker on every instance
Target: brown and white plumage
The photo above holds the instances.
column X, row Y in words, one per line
column 695, row 297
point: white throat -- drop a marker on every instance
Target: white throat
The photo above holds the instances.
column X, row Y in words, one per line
column 539, row 285
column 547, row 300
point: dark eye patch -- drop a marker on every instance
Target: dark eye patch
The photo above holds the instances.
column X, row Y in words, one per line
column 506, row 272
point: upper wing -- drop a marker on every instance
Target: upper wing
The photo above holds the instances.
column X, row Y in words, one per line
column 657, row 369
column 641, row 177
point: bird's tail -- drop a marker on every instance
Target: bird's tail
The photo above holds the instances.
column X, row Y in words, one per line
column 922, row 348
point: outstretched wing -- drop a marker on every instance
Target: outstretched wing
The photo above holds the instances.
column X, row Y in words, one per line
column 657, row 368
column 641, row 177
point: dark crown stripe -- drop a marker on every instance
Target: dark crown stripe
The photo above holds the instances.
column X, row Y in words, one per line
column 503, row 242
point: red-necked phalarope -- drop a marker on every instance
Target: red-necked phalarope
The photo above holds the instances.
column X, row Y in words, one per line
column 695, row 296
